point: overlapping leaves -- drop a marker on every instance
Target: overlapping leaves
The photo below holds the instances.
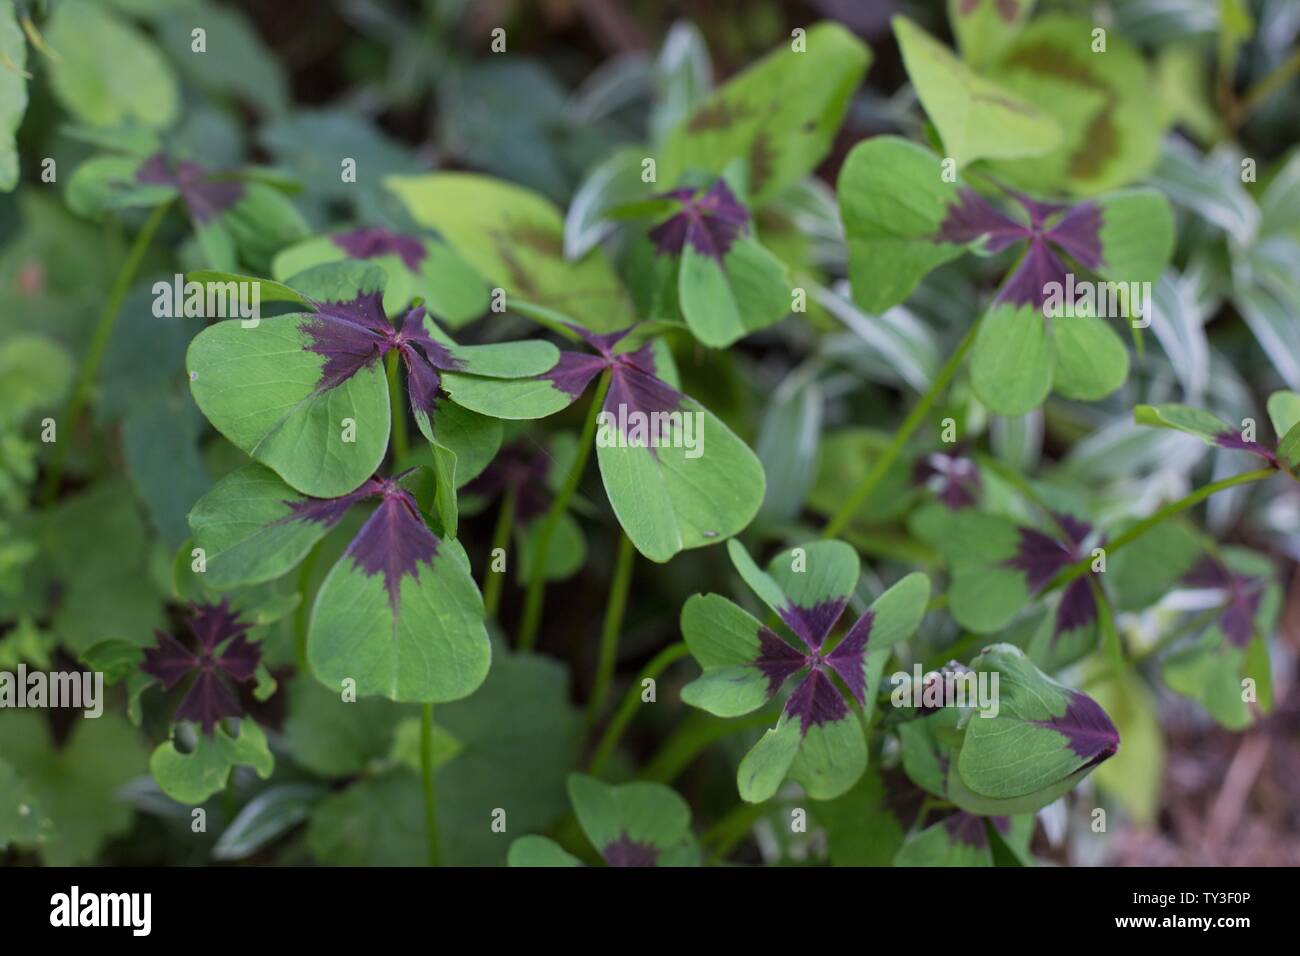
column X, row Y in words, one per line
column 305, row 393
column 818, row 738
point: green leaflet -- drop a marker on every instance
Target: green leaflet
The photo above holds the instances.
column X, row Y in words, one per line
column 13, row 93
column 23, row 821
column 976, row 118
column 35, row 373
column 818, row 739
column 1137, row 235
column 1043, row 739
column 75, row 785
column 513, row 399
column 893, row 198
column 723, row 639
column 97, row 546
column 258, row 387
column 429, row 645
column 861, row 828
column 518, row 735
column 939, row 845
column 778, row 117
column 636, row 821
column 983, row 28
column 1110, row 124
column 564, row 557
column 1091, row 361
column 830, row 758
column 670, row 498
column 1182, row 418
column 452, row 291
column 539, row 851
column 334, row 737
column 764, row 768
column 985, row 593
column 105, row 183
column 107, row 71
column 1213, row 671
column 1013, row 359
column 242, row 527
column 725, row 301
column 803, row 577
column 266, row 390
column 514, row 237
column 194, row 776
column 1283, row 411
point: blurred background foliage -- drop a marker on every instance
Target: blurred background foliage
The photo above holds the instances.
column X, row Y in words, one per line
column 404, row 86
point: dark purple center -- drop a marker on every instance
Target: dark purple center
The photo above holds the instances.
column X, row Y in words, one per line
column 816, row 700
column 211, row 697
column 628, row 852
column 635, row 391
column 1077, row 233
column 709, row 223
column 369, row 242
column 204, row 196
column 1087, row 729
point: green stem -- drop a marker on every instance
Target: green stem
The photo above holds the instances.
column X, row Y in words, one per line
column 426, row 774
column 396, row 399
column 614, row 608
column 500, row 540
column 1109, row 633
column 301, row 612
column 905, row 431
column 1136, row 531
column 722, row 837
column 1191, row 626
column 681, row 749
column 532, row 614
column 98, row 343
column 627, row 709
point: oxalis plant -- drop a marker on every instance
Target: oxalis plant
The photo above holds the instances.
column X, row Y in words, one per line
column 892, row 550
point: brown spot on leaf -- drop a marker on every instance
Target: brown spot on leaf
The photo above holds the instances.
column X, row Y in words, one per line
column 1101, row 141
column 543, row 240
column 715, row 116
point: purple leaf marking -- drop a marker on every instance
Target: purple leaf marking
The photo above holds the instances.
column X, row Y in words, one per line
column 628, row 852
column 812, row 624
column 1237, row 621
column 1039, row 557
column 1077, row 233
column 777, row 659
column 523, row 468
column 211, row 697
column 205, row 198
column 954, row 478
column 394, row 541
column 355, row 333
column 968, row 829
column 849, row 654
column 1078, row 607
column 1086, row 728
column 1028, row 284
column 574, row 372
column 329, row 511
column 709, row 223
column 972, row 217
column 367, row 243
column 816, row 701
column 1233, row 440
